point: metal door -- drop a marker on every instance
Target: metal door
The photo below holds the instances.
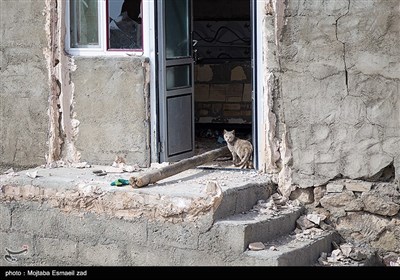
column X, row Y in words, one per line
column 175, row 79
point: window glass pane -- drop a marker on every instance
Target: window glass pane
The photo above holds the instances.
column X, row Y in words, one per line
column 84, row 29
column 177, row 28
column 125, row 24
column 178, row 76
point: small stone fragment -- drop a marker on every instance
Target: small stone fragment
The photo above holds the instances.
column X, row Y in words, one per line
column 32, row 174
column 346, row 249
column 314, row 218
column 256, row 246
column 303, row 223
column 11, row 170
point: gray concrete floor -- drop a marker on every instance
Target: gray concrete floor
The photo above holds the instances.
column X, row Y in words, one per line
column 189, row 183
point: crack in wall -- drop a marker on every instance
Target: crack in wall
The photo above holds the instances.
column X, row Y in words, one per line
column 346, row 73
column 15, row 149
column 146, row 91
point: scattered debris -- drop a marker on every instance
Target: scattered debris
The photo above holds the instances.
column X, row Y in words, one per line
column 89, row 190
column 56, row 164
column 396, row 263
column 348, row 254
column 346, row 249
column 303, row 223
column 119, row 162
column 256, row 246
column 81, row 165
column 32, row 174
column 391, row 259
column 100, row 172
column 131, row 168
column 156, row 165
column 11, row 170
column 315, row 218
column 274, row 204
column 307, row 234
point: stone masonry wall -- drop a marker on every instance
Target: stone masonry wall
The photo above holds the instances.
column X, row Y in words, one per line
column 24, row 86
column 336, row 96
column 365, row 214
column 333, row 115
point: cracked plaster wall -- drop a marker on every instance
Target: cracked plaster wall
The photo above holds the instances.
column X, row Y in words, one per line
column 103, row 104
column 55, row 107
column 24, row 86
column 111, row 105
column 337, row 97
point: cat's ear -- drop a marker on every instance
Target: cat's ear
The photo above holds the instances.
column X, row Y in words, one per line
column 225, row 131
column 233, row 131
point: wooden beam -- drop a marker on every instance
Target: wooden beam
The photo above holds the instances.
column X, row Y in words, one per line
column 155, row 175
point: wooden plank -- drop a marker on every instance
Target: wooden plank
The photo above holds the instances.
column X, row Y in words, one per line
column 155, row 175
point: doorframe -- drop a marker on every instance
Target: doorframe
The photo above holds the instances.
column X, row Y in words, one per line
column 150, row 51
column 259, row 131
column 258, row 101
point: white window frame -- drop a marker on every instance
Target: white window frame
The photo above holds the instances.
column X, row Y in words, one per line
column 148, row 11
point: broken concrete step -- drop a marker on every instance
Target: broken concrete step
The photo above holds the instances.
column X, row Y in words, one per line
column 238, row 231
column 242, row 199
column 289, row 251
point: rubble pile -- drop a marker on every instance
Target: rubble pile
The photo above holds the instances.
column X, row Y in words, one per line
column 274, row 204
column 348, row 254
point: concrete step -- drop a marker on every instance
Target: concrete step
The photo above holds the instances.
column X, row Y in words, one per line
column 238, row 231
column 291, row 251
column 242, row 199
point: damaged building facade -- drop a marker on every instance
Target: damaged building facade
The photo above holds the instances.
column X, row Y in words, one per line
column 316, row 83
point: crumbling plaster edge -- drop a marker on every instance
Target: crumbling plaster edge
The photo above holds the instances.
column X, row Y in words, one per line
column 278, row 151
column 89, row 199
column 63, row 127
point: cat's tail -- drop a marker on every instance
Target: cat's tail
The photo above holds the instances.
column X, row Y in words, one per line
column 246, row 161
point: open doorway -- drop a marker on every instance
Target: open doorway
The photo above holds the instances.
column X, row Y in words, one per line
column 223, row 73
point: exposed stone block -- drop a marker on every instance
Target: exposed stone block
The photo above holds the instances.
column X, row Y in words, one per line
column 305, row 196
column 381, row 205
column 358, row 186
column 334, row 188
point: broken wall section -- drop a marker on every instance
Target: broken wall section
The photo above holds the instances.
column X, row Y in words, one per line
column 365, row 214
column 335, row 107
column 99, row 105
column 338, row 90
column 24, row 87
